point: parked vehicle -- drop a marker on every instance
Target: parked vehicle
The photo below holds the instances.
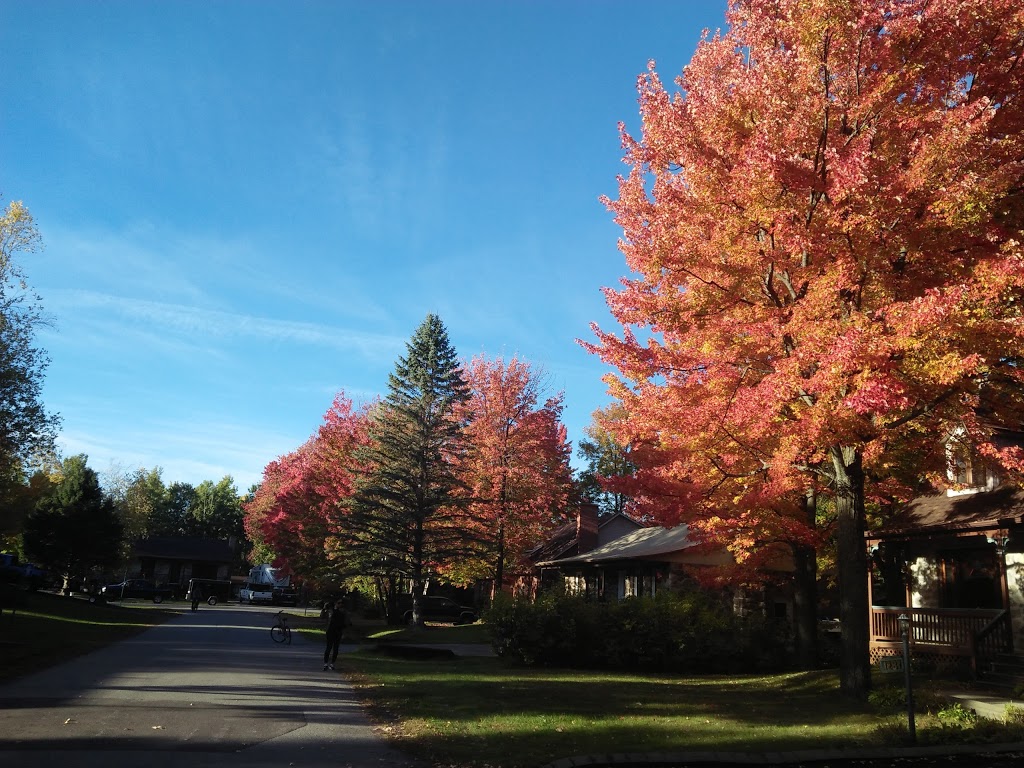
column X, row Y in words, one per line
column 256, row 593
column 264, row 593
column 134, row 588
column 26, row 575
column 435, row 608
column 10, row 571
column 266, row 585
column 212, row 590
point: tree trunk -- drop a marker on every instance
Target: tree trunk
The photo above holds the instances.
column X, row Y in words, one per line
column 805, row 594
column 805, row 608
column 417, row 575
column 499, row 566
column 851, row 562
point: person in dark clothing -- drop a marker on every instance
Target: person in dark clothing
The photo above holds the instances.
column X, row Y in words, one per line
column 335, row 629
column 197, row 595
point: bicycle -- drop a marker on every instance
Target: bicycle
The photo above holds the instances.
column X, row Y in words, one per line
column 281, row 632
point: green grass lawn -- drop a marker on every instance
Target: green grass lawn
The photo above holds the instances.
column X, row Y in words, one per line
column 48, row 629
column 485, row 712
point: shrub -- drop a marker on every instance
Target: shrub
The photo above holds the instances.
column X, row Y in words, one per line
column 688, row 632
column 1014, row 715
column 888, row 698
column 955, row 715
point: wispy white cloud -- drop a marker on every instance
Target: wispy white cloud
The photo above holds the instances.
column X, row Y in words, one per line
column 202, row 322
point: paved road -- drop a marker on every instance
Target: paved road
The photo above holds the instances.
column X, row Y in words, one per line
column 205, row 690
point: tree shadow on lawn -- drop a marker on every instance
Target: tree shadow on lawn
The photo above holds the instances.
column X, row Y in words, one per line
column 487, row 712
column 472, row 690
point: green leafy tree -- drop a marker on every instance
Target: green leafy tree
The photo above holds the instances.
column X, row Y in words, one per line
column 216, row 510
column 27, row 431
column 607, row 461
column 74, row 527
column 406, row 512
column 175, row 518
column 140, row 497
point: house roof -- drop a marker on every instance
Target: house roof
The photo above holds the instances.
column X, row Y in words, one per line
column 641, row 544
column 961, row 513
column 184, row 548
column 561, row 540
column 564, row 538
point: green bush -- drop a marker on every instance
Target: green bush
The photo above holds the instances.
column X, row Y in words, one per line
column 955, row 715
column 672, row 632
column 1014, row 715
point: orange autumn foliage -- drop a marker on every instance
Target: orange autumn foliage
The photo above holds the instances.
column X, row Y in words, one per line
column 824, row 229
column 517, row 467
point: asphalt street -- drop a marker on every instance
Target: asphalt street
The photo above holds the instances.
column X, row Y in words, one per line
column 205, row 689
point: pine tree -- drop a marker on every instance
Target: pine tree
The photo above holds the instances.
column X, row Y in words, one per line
column 406, row 512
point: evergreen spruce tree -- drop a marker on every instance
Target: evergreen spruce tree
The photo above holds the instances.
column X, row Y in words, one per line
column 406, row 509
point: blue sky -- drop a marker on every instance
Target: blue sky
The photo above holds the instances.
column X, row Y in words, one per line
column 249, row 206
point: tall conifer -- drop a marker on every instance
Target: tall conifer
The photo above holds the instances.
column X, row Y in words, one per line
column 405, row 510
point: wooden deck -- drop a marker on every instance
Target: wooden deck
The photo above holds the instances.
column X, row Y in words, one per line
column 978, row 634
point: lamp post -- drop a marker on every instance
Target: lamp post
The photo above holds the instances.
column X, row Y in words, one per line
column 904, row 622
column 1001, row 542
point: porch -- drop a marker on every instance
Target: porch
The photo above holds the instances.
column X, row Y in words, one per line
column 951, row 637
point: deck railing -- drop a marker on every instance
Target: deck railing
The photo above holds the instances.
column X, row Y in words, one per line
column 976, row 633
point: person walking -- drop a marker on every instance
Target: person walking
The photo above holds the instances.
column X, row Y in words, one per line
column 197, row 595
column 335, row 629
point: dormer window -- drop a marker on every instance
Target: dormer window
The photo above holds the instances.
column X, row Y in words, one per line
column 965, row 469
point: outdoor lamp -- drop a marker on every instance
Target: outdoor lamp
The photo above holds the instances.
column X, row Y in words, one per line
column 1000, row 543
column 904, row 621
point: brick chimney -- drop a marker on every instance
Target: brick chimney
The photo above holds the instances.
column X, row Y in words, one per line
column 586, row 528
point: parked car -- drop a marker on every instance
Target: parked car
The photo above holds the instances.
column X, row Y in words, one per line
column 134, row 588
column 434, row 608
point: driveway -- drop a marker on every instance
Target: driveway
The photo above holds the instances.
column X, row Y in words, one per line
column 204, row 689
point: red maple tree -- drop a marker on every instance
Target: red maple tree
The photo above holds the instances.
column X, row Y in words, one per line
column 517, row 466
column 824, row 226
column 297, row 511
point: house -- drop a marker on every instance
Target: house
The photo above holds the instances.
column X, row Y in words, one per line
column 953, row 563
column 589, row 530
column 176, row 559
column 636, row 561
column 633, row 565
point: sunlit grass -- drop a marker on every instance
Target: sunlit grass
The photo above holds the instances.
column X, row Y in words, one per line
column 433, row 634
column 376, row 631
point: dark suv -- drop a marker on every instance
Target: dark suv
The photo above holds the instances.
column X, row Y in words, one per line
column 437, row 609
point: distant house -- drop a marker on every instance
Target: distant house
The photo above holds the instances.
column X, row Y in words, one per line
column 635, row 564
column 176, row 559
column 632, row 560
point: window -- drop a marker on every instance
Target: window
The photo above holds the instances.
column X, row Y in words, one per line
column 964, row 466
